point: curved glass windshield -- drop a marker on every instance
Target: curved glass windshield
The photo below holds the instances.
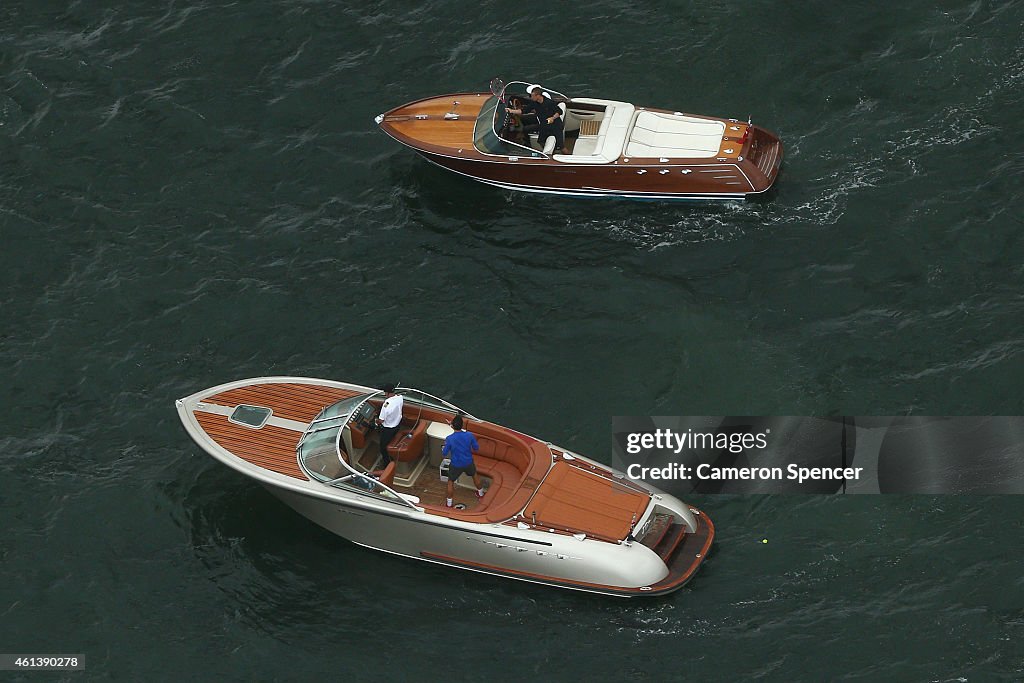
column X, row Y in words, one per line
column 340, row 409
column 339, row 447
column 494, row 132
column 317, row 446
column 328, row 439
column 484, row 138
column 492, row 117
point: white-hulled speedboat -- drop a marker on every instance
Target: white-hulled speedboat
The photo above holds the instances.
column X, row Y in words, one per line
column 549, row 515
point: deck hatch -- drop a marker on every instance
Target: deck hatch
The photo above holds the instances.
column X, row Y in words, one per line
column 253, row 417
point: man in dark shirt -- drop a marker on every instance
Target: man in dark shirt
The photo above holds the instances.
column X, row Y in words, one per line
column 548, row 115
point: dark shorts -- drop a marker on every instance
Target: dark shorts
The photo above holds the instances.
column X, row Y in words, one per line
column 455, row 472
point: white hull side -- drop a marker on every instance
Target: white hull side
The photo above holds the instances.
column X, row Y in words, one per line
column 552, row 559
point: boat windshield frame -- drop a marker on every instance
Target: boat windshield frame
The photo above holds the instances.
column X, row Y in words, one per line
column 407, row 392
column 314, row 426
column 423, row 399
column 551, row 91
column 499, row 113
column 353, row 474
column 486, row 139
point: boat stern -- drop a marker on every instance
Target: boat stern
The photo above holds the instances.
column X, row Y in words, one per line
column 762, row 158
column 680, row 535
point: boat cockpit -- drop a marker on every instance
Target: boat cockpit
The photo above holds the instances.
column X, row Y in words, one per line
column 595, row 130
column 341, row 448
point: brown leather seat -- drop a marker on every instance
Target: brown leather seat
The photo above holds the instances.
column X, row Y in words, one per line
column 409, row 442
column 515, row 466
column 387, row 475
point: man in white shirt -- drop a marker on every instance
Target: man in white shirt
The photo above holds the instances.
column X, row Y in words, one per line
column 389, row 420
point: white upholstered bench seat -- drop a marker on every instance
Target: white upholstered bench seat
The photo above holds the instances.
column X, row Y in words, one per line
column 669, row 135
column 607, row 146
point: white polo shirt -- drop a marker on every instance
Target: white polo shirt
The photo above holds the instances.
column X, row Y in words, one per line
column 391, row 411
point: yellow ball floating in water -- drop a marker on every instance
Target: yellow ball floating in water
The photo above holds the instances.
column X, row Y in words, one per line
column 764, row 540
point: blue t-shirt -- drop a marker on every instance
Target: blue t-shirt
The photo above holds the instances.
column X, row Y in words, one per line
column 460, row 445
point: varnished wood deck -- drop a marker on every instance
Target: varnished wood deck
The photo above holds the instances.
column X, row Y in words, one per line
column 272, row 448
column 435, row 129
column 432, row 491
column 291, row 401
column 572, row 498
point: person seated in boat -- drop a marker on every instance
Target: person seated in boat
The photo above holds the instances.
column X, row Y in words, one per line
column 460, row 447
column 389, row 420
column 547, row 114
column 530, row 120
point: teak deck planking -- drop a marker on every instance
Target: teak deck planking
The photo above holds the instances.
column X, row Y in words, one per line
column 436, row 129
column 300, row 402
column 270, row 447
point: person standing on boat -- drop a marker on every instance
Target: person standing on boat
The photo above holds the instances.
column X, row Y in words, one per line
column 389, row 420
column 460, row 447
column 549, row 116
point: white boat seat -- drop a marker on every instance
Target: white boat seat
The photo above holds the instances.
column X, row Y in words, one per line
column 657, row 134
column 611, row 136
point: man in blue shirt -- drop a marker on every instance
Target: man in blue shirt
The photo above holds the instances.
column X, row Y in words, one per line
column 460, row 446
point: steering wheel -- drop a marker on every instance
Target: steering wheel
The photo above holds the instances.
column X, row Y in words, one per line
column 516, row 119
column 513, row 122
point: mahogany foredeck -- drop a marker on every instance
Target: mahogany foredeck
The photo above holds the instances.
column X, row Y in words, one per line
column 435, row 129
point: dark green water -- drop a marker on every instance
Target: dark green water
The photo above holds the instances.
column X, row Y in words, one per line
column 194, row 192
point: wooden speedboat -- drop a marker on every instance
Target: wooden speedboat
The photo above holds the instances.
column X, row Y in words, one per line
column 548, row 516
column 612, row 148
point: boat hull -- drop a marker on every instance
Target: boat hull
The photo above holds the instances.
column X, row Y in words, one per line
column 499, row 550
column 744, row 168
column 598, row 181
column 548, row 517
